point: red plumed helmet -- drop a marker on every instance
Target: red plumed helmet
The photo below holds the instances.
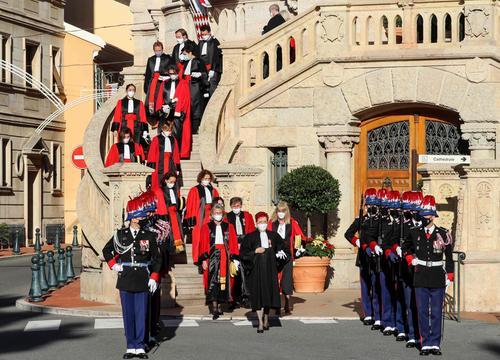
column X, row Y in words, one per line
column 140, row 206
column 394, row 199
column 371, row 196
column 382, row 197
column 428, row 206
column 406, row 200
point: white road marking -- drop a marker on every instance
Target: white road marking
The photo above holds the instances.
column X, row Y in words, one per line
column 180, row 323
column 43, row 325
column 113, row 323
column 245, row 323
column 312, row 321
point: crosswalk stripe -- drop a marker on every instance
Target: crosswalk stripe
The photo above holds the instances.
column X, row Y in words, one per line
column 180, row 323
column 313, row 321
column 112, row 323
column 245, row 323
column 42, row 325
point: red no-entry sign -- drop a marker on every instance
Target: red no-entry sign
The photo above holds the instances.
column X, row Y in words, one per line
column 78, row 159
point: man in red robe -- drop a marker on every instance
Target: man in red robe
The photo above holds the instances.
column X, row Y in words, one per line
column 125, row 150
column 163, row 154
column 198, row 207
column 130, row 113
column 175, row 104
column 218, row 247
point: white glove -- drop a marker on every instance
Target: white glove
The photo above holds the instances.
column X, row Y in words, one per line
column 211, row 74
column 281, row 255
column 174, row 100
column 300, row 251
column 378, row 250
column 196, row 74
column 236, row 263
column 163, row 78
column 144, row 134
column 414, row 262
column 399, row 251
column 358, row 244
column 152, row 285
column 206, row 95
column 448, row 282
column 117, row 267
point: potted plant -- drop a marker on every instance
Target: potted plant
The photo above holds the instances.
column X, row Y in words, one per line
column 311, row 268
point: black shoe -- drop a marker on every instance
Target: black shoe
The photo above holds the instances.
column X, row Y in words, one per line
column 401, row 338
column 260, row 331
column 215, row 316
column 410, row 344
column 425, row 352
column 376, row 327
column 436, row 352
column 278, row 312
column 142, row 356
column 387, row 332
column 368, row 322
column 266, row 327
column 128, row 355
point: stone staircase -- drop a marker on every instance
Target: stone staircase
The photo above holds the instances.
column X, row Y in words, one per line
column 191, row 167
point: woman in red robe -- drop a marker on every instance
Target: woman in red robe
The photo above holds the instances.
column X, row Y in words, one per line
column 198, row 207
column 125, row 150
column 217, row 249
column 163, row 154
column 130, row 113
column 289, row 230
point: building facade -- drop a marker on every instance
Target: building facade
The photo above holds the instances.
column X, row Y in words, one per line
column 361, row 89
column 32, row 169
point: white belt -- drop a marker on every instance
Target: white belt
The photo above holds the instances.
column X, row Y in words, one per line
column 429, row 263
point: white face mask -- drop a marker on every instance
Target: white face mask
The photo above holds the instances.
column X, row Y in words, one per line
column 180, row 40
column 205, row 182
column 126, row 140
column 281, row 215
column 183, row 57
column 262, row 227
column 217, row 217
column 170, row 185
column 130, row 93
column 236, row 210
column 158, row 53
column 206, row 37
column 174, row 77
column 167, row 133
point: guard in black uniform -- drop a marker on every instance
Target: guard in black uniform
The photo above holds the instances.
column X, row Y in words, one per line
column 361, row 233
column 134, row 254
column 428, row 244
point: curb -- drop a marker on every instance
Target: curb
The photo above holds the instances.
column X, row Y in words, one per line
column 6, row 257
column 23, row 304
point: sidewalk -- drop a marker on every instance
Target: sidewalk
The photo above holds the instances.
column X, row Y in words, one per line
column 29, row 250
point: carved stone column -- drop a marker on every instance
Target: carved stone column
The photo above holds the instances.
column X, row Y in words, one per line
column 482, row 140
column 338, row 142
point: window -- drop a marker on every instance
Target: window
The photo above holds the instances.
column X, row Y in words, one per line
column 56, row 82
column 6, row 56
column 279, row 167
column 6, row 166
column 55, row 159
column 33, row 60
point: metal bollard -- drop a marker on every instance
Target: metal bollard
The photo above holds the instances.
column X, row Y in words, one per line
column 57, row 243
column 43, row 277
column 61, row 272
column 70, row 272
column 38, row 245
column 51, row 277
column 75, row 236
column 35, row 294
column 16, row 249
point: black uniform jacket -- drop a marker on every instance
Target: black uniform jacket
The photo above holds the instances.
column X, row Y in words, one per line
column 145, row 251
column 423, row 249
column 367, row 230
column 213, row 57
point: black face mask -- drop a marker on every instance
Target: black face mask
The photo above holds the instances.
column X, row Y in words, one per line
column 394, row 213
column 425, row 221
column 372, row 210
column 407, row 215
column 417, row 217
column 143, row 222
column 384, row 211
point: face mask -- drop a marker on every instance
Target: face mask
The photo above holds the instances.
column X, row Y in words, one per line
column 183, row 57
column 417, row 217
column 205, row 182
column 425, row 221
column 130, row 93
column 281, row 215
column 174, row 77
column 217, row 217
column 206, row 37
column 384, row 211
column 167, row 133
column 262, row 227
column 407, row 215
column 394, row 213
column 372, row 210
column 180, row 40
column 236, row 210
column 158, row 53
column 143, row 222
column 170, row 186
column 126, row 140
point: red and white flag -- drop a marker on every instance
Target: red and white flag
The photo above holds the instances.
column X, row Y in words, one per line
column 199, row 8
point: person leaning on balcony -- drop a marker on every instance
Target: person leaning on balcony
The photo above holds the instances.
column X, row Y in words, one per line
column 126, row 150
column 276, row 19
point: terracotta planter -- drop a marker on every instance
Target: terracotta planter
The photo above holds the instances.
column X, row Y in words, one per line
column 309, row 274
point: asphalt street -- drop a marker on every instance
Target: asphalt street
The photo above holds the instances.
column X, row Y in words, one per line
column 26, row 335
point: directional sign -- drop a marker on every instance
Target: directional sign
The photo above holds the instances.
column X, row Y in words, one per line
column 78, row 158
column 444, row 159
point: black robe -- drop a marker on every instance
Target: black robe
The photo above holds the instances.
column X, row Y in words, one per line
column 262, row 269
column 274, row 22
column 150, row 66
column 198, row 87
column 213, row 57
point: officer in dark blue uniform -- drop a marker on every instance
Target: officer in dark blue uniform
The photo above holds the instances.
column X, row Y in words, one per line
column 132, row 252
column 360, row 234
column 428, row 244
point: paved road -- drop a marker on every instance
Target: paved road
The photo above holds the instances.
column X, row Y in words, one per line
column 27, row 336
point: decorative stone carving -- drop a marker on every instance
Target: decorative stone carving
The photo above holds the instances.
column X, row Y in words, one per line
column 476, row 22
column 333, row 28
column 445, row 192
column 333, row 74
column 476, row 70
column 479, row 137
column 338, row 140
column 225, row 191
column 405, row 3
column 483, row 205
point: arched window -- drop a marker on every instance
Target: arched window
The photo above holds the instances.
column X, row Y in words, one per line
column 279, row 58
column 355, row 31
column 384, row 30
column 461, row 27
column 434, row 28
column 305, row 42
column 398, row 22
column 420, row 29
column 293, row 47
column 251, row 73
column 370, row 33
column 447, row 28
column 265, row 65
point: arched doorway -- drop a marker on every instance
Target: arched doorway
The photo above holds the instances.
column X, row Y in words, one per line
column 389, row 147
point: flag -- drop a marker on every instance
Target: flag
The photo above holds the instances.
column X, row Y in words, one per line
column 200, row 14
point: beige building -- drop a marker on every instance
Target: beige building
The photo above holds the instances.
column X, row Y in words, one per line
column 366, row 87
column 32, row 169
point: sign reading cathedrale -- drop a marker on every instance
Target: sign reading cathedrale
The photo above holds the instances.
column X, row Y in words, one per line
column 444, row 159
